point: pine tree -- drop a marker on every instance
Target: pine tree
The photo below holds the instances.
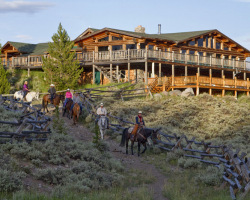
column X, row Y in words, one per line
column 60, row 67
column 4, row 83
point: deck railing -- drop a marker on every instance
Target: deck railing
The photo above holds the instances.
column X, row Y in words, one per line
column 139, row 54
column 210, row 81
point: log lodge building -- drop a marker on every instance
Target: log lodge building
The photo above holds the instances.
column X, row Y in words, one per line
column 207, row 61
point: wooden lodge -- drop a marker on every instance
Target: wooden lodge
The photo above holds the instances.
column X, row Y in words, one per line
column 207, row 61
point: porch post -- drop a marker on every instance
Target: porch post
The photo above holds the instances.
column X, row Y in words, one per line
column 247, row 86
column 128, row 65
column 93, row 74
column 172, row 76
column 159, row 70
column 222, row 73
column 146, row 67
column 117, row 73
column 223, row 91
column 197, row 84
column 153, row 69
column 111, row 73
column 28, row 72
column 186, row 71
column 210, row 81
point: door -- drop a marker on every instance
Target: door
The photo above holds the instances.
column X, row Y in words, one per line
column 97, row 78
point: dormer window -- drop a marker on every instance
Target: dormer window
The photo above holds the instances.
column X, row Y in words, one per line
column 200, row 42
column 116, row 38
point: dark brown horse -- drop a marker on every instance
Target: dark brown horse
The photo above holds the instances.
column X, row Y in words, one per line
column 56, row 100
column 141, row 138
column 67, row 108
column 76, row 112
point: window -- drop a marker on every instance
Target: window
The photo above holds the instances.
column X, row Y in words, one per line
column 191, row 52
column 218, row 55
column 142, row 45
column 206, row 41
column 105, row 48
column 212, row 42
column 200, row 53
column 116, row 38
column 131, row 46
column 150, row 47
column 183, row 51
column 226, row 47
column 200, row 42
column 191, row 43
column 104, row 39
column 218, row 45
column 116, row 47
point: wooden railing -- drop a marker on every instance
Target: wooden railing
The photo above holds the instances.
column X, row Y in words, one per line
column 140, row 54
column 210, row 81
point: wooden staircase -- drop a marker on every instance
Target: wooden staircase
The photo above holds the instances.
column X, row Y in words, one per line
column 155, row 87
column 106, row 72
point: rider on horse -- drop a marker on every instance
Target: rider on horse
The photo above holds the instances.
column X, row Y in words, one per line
column 76, row 99
column 52, row 92
column 25, row 89
column 138, row 126
column 68, row 96
column 101, row 111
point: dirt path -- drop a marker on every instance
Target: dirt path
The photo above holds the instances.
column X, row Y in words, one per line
column 129, row 161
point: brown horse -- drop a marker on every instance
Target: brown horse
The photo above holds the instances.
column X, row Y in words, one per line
column 56, row 100
column 76, row 112
column 67, row 108
column 141, row 137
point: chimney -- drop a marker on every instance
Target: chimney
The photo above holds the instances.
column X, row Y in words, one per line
column 140, row 29
column 159, row 28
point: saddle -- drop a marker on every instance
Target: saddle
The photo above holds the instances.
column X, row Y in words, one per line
column 134, row 131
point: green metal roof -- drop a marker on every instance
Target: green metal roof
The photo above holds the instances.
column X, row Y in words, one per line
column 31, row 49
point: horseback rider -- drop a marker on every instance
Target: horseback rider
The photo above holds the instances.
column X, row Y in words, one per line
column 138, row 126
column 25, row 89
column 76, row 99
column 68, row 96
column 101, row 111
column 52, row 92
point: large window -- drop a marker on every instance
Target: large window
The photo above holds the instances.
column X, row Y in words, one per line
column 191, row 43
column 131, row 46
column 218, row 45
column 151, row 47
column 191, row 52
column 212, row 42
column 226, row 47
column 104, row 39
column 200, row 42
column 105, row 48
column 116, row 47
column 183, row 51
column 142, row 45
column 206, row 41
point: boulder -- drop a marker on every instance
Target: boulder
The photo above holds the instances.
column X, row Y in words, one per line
column 164, row 93
column 175, row 93
column 187, row 92
column 157, row 96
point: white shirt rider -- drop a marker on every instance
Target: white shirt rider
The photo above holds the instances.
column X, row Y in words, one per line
column 101, row 111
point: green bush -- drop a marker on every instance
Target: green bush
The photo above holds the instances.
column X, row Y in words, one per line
column 212, row 176
column 10, row 181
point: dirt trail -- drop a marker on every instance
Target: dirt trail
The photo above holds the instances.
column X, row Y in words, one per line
column 82, row 133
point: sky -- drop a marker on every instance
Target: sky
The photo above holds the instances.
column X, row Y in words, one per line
column 35, row 21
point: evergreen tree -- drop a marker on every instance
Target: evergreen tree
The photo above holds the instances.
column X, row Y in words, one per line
column 60, row 67
column 4, row 83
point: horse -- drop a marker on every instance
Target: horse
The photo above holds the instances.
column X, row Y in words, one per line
column 18, row 95
column 56, row 100
column 141, row 137
column 67, row 108
column 103, row 125
column 76, row 113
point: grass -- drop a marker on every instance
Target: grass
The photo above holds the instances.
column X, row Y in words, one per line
column 182, row 183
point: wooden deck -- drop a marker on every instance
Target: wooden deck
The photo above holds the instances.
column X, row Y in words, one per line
column 205, row 82
column 137, row 56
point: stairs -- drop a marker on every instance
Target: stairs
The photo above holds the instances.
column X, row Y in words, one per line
column 156, row 88
column 112, row 77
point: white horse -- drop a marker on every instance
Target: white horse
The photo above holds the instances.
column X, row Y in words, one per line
column 29, row 97
column 103, row 125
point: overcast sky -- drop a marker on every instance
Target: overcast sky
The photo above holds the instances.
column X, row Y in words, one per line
column 35, row 21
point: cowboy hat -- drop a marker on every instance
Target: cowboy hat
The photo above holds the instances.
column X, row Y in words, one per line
column 101, row 104
column 68, row 89
column 52, row 84
column 139, row 112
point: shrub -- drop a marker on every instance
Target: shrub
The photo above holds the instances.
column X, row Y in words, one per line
column 212, row 176
column 10, row 181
